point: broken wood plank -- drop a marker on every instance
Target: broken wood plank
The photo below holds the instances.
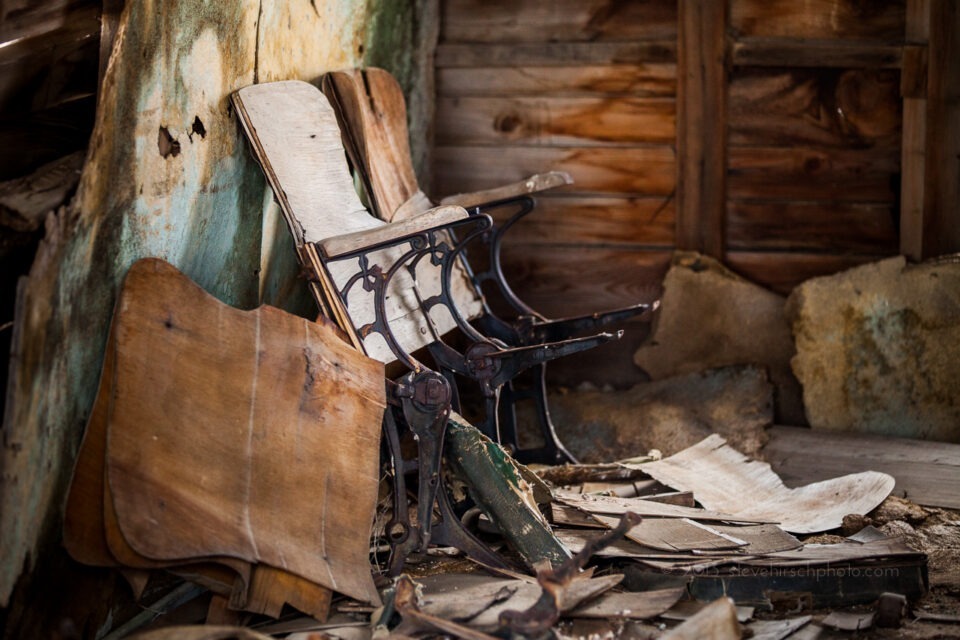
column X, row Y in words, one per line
column 496, row 485
column 927, row 473
column 612, row 505
column 723, row 479
column 199, row 463
column 676, row 534
column 630, row 605
column 717, row 621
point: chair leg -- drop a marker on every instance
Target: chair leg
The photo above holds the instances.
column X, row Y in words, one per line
column 552, row 451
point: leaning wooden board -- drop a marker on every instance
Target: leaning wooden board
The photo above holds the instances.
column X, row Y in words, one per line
column 145, row 492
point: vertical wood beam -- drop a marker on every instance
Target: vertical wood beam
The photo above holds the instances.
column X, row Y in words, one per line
column 701, row 125
column 930, row 161
column 941, row 211
column 913, row 88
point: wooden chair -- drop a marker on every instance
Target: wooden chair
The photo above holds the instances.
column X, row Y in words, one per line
column 371, row 110
column 392, row 287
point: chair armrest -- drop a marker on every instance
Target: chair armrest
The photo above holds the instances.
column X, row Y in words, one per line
column 428, row 220
column 533, row 184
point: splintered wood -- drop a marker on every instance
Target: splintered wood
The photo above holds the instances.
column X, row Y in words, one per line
column 236, row 448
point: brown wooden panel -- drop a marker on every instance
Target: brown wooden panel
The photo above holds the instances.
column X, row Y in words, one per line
column 555, row 121
column 653, row 79
column 799, row 52
column 584, row 220
column 564, row 281
column 812, row 226
column 830, row 107
column 611, row 170
column 850, row 175
column 876, row 19
column 941, row 220
column 553, row 20
column 525, row 54
column 701, row 126
column 781, row 272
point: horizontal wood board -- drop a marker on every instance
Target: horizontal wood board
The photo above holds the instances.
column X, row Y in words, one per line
column 813, row 136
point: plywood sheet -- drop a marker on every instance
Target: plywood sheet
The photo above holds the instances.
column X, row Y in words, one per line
column 723, row 479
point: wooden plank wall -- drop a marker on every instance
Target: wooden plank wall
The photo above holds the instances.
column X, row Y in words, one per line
column 768, row 133
column 813, row 136
column 584, row 87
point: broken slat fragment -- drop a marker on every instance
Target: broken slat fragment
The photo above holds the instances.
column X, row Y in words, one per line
column 496, row 485
column 717, row 621
column 632, row 605
column 676, row 534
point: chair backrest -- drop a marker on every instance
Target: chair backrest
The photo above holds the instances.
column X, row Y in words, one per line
column 294, row 135
column 371, row 107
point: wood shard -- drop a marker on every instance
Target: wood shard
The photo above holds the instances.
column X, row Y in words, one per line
column 725, row 480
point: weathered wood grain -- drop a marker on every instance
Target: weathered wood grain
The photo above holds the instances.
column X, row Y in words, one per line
column 653, row 79
column 941, row 231
column 647, row 170
column 701, row 125
column 240, row 427
column 525, row 54
column 808, row 173
column 782, row 271
column 370, row 107
column 811, row 226
column 550, row 121
column 565, row 281
column 609, row 221
column 847, row 19
column 858, row 108
column 557, row 20
column 802, row 52
column 295, row 138
column 914, row 142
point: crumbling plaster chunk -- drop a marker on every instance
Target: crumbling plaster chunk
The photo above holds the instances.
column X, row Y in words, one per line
column 711, row 317
column 878, row 349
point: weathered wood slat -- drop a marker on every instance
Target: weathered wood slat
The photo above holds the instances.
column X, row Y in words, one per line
column 803, row 173
column 926, row 472
column 782, row 271
column 701, row 126
column 848, row 19
column 609, row 221
column 941, row 231
column 857, row 108
column 811, row 226
column 564, row 281
column 554, row 20
column 640, row 79
column 552, row 121
column 622, row 171
column 913, row 83
column 520, row 54
column 799, row 52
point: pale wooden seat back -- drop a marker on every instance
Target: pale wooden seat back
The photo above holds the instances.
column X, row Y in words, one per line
column 372, row 106
column 295, row 137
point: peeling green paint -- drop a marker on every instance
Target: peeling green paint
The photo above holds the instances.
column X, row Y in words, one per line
column 174, row 65
column 495, row 483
